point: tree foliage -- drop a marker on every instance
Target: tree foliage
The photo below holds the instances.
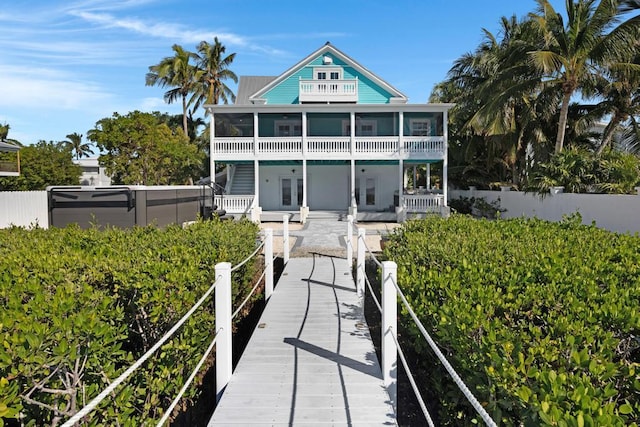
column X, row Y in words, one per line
column 141, row 149
column 74, row 143
column 42, row 165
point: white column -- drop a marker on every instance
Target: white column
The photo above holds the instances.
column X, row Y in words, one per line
column 389, row 327
column 353, row 208
column 360, row 270
column 256, row 133
column 256, row 210
column 445, row 162
column 400, row 207
column 224, row 365
column 268, row 262
column 212, row 134
column 285, row 238
column 304, row 183
column 304, row 134
column 352, row 132
column 348, row 240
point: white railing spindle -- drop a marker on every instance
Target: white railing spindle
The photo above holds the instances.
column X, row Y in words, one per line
column 224, row 367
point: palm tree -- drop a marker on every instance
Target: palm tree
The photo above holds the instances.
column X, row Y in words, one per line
column 573, row 54
column 75, row 144
column 214, row 68
column 178, row 73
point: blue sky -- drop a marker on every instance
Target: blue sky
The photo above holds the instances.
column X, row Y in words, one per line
column 64, row 65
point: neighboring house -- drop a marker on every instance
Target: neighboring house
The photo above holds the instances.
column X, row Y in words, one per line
column 9, row 167
column 93, row 174
column 327, row 135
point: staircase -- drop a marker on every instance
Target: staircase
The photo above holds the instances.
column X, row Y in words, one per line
column 328, row 215
column 243, row 180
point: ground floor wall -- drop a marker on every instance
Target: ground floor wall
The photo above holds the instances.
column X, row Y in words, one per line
column 328, row 187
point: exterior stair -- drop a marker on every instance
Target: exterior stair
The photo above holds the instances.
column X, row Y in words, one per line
column 243, row 180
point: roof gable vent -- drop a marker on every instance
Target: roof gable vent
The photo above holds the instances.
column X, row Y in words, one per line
column 327, row 60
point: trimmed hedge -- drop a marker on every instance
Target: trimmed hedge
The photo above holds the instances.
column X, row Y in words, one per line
column 540, row 319
column 79, row 306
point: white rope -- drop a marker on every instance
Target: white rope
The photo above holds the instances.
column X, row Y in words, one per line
column 96, row 401
column 375, row 300
column 373, row 257
column 235, row 313
column 247, row 258
column 414, row 386
column 186, row 385
column 461, row 385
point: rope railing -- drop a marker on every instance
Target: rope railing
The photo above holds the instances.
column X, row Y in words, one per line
column 186, row 385
column 235, row 313
column 260, row 246
column 390, row 346
column 96, row 401
column 456, row 378
column 412, row 381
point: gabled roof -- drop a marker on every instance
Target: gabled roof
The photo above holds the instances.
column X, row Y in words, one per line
column 397, row 96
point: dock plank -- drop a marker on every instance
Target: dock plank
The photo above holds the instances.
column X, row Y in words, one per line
column 311, row 361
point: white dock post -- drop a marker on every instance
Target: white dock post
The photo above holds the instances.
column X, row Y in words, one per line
column 389, row 326
column 224, row 367
column 285, row 238
column 349, row 244
column 360, row 270
column 268, row 263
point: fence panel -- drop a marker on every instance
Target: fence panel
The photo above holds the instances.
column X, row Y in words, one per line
column 23, row 208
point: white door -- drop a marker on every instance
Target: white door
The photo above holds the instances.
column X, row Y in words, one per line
column 290, row 193
column 366, row 193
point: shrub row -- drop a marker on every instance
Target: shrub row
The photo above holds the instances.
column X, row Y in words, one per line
column 79, row 306
column 540, row 319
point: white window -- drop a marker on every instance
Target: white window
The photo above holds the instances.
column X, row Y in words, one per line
column 363, row 128
column 325, row 73
column 288, row 128
column 420, row 127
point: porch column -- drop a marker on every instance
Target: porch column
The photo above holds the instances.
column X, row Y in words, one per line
column 212, row 135
column 304, row 209
column 304, row 135
column 353, row 209
column 445, row 161
column 256, row 210
column 255, row 133
column 400, row 213
column 352, row 132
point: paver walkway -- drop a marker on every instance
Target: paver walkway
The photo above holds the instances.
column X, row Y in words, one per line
column 311, row 360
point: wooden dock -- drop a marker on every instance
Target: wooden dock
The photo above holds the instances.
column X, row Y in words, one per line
column 311, row 360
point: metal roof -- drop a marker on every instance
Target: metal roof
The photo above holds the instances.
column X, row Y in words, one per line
column 5, row 146
column 248, row 85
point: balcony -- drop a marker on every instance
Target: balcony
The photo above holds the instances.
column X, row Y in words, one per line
column 327, row 91
column 320, row 148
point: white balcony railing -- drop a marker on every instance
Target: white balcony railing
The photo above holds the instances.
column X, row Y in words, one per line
column 234, row 204
column 423, row 203
column 392, row 147
column 328, row 90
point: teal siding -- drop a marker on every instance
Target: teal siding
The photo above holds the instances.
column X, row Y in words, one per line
column 286, row 92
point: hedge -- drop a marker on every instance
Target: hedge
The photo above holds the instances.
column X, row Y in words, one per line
column 79, row 306
column 541, row 320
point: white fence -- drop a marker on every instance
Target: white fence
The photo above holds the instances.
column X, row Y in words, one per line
column 24, row 209
column 620, row 213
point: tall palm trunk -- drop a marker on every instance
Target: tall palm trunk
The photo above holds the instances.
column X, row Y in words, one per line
column 609, row 130
column 562, row 122
column 184, row 116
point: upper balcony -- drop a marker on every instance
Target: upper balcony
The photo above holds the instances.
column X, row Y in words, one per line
column 328, row 91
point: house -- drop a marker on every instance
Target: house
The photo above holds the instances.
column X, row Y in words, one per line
column 9, row 165
column 327, row 135
column 93, row 174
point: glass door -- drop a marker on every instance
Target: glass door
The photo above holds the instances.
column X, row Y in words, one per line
column 366, row 193
column 290, row 193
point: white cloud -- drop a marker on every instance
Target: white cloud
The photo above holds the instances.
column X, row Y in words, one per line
column 47, row 89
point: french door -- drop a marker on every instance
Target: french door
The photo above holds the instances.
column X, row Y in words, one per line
column 366, row 193
column 290, row 193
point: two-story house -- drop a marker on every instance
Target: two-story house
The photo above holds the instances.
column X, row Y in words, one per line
column 327, row 135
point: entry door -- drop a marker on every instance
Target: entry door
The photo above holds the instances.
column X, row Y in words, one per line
column 366, row 193
column 290, row 193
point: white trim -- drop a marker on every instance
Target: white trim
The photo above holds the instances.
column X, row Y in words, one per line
column 331, row 108
column 328, row 70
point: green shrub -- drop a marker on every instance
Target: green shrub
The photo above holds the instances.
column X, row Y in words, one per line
column 540, row 319
column 81, row 305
